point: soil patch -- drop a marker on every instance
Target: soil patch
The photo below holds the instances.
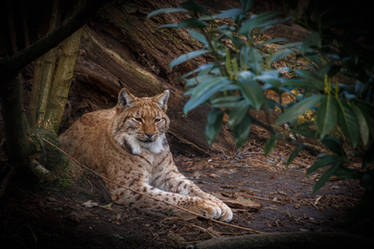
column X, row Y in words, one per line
column 264, row 195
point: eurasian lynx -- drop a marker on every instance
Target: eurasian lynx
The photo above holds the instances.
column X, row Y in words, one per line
column 127, row 144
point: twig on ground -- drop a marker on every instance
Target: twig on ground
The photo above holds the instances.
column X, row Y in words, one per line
column 214, row 235
column 260, row 197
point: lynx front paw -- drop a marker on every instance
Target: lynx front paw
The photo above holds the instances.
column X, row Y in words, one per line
column 226, row 213
column 208, row 209
column 214, row 209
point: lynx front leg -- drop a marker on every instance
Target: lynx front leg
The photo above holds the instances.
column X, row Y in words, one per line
column 154, row 198
column 177, row 183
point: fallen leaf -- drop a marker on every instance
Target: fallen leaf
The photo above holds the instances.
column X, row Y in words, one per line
column 107, row 206
column 212, row 175
column 90, row 204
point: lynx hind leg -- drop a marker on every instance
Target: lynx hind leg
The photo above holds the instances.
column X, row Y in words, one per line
column 149, row 200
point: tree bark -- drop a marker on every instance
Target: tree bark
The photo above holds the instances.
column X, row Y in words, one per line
column 63, row 75
column 107, row 68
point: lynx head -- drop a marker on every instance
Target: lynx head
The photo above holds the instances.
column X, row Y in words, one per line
column 141, row 123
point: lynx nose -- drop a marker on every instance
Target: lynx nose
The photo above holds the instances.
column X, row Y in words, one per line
column 149, row 137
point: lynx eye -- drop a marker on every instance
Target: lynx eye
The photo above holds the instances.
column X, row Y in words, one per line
column 157, row 120
column 138, row 119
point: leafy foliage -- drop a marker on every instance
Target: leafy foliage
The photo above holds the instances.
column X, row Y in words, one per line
column 240, row 74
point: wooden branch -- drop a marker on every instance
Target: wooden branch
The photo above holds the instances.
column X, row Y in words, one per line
column 12, row 65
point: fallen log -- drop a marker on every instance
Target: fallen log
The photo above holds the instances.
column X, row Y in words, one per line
column 290, row 240
column 105, row 66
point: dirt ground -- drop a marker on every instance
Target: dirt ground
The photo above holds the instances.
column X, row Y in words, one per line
column 264, row 195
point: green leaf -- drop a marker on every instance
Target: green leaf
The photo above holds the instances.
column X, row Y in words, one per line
column 346, row 173
column 303, row 83
column 186, row 57
column 255, row 60
column 237, row 113
column 327, row 115
column 364, row 128
column 312, row 77
column 204, row 91
column 257, row 21
column 274, row 83
column 192, row 23
column 334, row 144
column 268, row 25
column 280, row 55
column 251, row 90
column 304, row 129
column 270, row 143
column 205, row 82
column 167, row 26
column 323, row 161
column 293, row 112
column 368, row 111
column 214, row 124
column 312, row 41
column 294, row 154
column 242, row 130
column 196, row 81
column 348, row 122
column 295, row 45
column 226, row 101
column 325, row 177
column 279, row 39
column 194, row 7
column 198, row 36
column 203, row 68
column 231, row 13
column 166, row 10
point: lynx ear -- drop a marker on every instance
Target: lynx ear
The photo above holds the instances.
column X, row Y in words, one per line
column 162, row 99
column 125, row 98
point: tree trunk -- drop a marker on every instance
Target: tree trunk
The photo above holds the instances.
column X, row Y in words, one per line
column 22, row 140
column 122, row 48
column 63, row 75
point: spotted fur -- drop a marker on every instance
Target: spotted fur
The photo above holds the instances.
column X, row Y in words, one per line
column 127, row 144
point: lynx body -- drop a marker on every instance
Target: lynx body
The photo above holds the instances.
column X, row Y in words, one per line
column 127, row 144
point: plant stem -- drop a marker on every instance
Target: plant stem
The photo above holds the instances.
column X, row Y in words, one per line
column 214, row 53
